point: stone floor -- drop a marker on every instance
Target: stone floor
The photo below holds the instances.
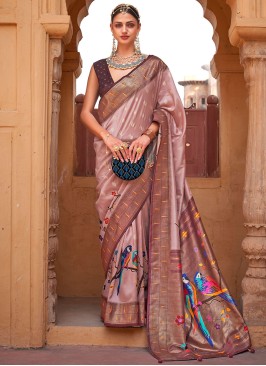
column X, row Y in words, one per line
column 78, row 311
column 82, row 313
column 95, row 355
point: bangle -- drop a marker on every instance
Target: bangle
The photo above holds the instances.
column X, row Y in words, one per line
column 106, row 138
column 150, row 134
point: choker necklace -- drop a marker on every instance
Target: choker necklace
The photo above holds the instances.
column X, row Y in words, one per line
column 119, row 62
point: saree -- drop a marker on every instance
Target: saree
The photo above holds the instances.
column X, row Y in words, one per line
column 160, row 270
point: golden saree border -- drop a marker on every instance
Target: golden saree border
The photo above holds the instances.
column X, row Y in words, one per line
column 122, row 315
column 128, row 85
column 162, row 261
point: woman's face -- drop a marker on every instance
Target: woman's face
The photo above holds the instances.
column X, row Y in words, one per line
column 125, row 28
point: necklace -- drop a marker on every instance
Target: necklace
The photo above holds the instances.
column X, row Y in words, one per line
column 119, row 62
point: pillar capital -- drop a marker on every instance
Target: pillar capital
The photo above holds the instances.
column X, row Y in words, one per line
column 253, row 59
column 247, row 30
column 248, row 22
column 225, row 63
column 253, row 50
column 57, row 26
column 72, row 63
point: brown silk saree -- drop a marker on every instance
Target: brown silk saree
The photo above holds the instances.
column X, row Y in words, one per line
column 160, row 268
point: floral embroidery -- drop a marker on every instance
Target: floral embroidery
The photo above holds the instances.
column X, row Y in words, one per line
column 180, row 320
column 116, row 196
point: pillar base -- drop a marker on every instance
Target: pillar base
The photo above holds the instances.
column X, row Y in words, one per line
column 258, row 335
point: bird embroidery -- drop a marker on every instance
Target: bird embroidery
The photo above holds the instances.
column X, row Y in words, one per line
column 135, row 258
column 208, row 286
column 191, row 301
column 125, row 258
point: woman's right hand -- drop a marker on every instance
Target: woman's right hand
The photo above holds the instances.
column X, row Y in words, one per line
column 112, row 143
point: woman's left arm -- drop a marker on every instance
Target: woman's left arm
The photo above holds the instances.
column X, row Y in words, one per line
column 143, row 141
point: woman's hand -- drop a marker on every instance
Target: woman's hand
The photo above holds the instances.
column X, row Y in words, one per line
column 113, row 143
column 140, row 143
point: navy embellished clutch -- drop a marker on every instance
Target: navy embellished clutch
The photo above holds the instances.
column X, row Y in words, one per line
column 127, row 170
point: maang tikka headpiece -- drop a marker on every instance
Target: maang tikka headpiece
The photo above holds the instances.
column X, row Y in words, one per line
column 125, row 8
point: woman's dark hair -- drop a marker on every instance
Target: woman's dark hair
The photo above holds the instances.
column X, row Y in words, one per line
column 125, row 8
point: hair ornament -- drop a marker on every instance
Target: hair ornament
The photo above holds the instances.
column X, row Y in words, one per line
column 126, row 8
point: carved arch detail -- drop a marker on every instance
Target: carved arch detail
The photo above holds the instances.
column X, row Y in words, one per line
column 218, row 13
column 210, row 16
column 78, row 10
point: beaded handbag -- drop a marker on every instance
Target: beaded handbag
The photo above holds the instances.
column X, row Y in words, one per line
column 127, row 170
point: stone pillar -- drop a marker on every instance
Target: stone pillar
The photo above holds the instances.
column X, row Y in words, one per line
column 56, row 58
column 59, row 31
column 253, row 58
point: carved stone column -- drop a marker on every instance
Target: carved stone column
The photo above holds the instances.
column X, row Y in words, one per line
column 56, row 58
column 253, row 58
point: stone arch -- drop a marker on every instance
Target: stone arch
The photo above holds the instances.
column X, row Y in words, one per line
column 77, row 10
column 219, row 15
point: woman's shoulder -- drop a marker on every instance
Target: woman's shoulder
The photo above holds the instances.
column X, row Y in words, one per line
column 100, row 62
column 158, row 60
column 156, row 57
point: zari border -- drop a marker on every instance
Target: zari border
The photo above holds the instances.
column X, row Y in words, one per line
column 161, row 260
column 123, row 315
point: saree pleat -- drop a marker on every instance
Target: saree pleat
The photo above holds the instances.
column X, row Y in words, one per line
column 159, row 265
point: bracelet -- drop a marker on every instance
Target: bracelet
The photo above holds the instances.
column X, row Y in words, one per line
column 106, row 138
column 150, row 134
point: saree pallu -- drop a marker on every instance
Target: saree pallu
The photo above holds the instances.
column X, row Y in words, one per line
column 160, row 268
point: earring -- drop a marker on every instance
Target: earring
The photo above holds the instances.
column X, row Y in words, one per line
column 137, row 46
column 114, row 47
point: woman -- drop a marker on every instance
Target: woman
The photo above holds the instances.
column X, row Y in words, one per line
column 160, row 268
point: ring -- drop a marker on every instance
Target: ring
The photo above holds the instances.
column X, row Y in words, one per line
column 139, row 150
column 116, row 148
column 124, row 145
